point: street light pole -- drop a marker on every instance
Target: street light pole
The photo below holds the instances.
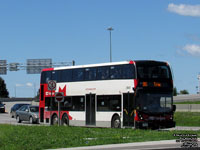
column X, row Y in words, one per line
column 15, row 91
column 198, row 77
column 110, row 29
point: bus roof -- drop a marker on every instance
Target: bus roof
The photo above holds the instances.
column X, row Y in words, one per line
column 102, row 64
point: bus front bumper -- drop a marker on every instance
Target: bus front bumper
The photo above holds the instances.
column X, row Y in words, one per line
column 155, row 124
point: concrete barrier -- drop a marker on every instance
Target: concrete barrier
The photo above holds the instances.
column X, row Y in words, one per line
column 17, row 99
column 186, row 97
column 9, row 104
column 188, row 107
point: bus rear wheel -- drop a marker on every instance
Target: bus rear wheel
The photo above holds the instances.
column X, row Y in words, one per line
column 54, row 120
column 116, row 123
column 65, row 120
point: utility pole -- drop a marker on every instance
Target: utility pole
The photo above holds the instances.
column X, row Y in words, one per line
column 110, row 29
column 198, row 77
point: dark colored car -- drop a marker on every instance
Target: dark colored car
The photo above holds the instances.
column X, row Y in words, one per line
column 28, row 113
column 15, row 108
column 2, row 107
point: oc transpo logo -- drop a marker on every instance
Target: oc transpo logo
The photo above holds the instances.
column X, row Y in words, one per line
column 52, row 92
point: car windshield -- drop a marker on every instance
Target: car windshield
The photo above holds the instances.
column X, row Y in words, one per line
column 34, row 109
column 22, row 108
column 18, row 106
column 154, row 103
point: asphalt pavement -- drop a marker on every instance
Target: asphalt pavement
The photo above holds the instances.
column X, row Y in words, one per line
column 164, row 145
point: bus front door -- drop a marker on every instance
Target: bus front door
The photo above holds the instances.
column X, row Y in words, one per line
column 90, row 109
column 128, row 109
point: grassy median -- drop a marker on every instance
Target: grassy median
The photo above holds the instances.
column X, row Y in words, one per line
column 187, row 118
column 47, row 137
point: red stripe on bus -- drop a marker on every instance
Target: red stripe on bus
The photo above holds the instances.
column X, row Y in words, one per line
column 131, row 62
column 135, row 83
column 48, row 69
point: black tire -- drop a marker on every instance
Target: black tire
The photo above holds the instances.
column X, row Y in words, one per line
column 54, row 120
column 18, row 119
column 65, row 120
column 31, row 120
column 11, row 114
column 116, row 122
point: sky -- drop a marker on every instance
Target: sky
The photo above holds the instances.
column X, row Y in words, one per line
column 67, row 30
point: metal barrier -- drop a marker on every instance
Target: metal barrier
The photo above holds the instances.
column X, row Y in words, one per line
column 17, row 99
column 188, row 107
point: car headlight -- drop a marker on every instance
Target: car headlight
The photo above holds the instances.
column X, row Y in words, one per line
column 35, row 115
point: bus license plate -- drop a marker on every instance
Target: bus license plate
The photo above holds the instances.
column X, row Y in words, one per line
column 145, row 124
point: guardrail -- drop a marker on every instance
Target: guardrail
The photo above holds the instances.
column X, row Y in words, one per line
column 182, row 98
column 188, row 107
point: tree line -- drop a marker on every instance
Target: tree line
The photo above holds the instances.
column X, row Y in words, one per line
column 3, row 90
column 175, row 92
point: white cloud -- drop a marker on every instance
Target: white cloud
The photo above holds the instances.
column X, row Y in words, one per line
column 19, row 85
column 185, row 10
column 29, row 84
column 192, row 49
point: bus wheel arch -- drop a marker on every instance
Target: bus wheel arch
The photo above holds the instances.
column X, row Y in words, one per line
column 54, row 119
column 65, row 120
column 115, row 121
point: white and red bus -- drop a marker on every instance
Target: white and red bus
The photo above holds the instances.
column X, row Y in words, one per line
column 117, row 94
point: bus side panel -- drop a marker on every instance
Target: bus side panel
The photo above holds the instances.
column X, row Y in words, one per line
column 108, row 87
column 103, row 119
column 41, row 104
column 77, row 118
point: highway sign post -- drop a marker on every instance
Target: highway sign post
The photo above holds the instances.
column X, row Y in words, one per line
column 51, row 86
column 59, row 98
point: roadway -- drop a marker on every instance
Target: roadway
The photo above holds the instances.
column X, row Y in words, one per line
column 5, row 117
column 164, row 145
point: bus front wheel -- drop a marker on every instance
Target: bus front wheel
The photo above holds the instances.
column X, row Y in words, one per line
column 116, row 123
column 54, row 120
column 65, row 120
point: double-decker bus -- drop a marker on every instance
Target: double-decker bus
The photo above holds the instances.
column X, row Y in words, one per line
column 118, row 94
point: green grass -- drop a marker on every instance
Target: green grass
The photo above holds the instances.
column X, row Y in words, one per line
column 48, row 137
column 188, row 102
column 187, row 118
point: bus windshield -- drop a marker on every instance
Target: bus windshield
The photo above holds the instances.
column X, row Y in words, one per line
column 153, row 71
column 154, row 103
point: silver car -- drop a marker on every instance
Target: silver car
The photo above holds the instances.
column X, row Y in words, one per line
column 28, row 113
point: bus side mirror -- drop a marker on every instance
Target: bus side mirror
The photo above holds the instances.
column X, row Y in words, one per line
column 174, row 107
